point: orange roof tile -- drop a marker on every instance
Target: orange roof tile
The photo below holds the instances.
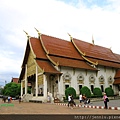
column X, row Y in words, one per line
column 65, row 53
column 37, row 48
column 117, row 75
column 15, row 80
column 60, row 47
column 96, row 51
column 75, row 63
column 117, row 55
column 117, row 81
column 106, row 63
column 47, row 67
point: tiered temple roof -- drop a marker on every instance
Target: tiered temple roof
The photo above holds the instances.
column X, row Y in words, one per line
column 50, row 51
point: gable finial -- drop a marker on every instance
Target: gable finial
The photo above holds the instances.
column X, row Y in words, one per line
column 26, row 34
column 38, row 32
column 70, row 36
column 92, row 40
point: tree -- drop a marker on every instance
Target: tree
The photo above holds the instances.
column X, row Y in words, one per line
column 1, row 89
column 12, row 89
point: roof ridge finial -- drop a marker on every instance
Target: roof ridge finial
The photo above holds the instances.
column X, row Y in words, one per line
column 93, row 40
column 26, row 34
column 38, row 32
column 70, row 36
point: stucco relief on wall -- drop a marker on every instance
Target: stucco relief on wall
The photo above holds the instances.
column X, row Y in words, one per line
column 80, row 79
column 67, row 77
column 91, row 78
column 101, row 79
column 110, row 80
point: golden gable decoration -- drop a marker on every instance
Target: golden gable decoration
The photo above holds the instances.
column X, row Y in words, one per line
column 40, row 80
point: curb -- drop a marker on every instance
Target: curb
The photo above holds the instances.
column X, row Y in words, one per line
column 88, row 106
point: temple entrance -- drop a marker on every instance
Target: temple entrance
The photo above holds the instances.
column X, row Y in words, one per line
column 53, row 85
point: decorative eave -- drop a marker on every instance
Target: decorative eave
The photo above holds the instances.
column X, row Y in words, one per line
column 56, row 64
column 94, row 63
column 83, row 54
column 47, row 51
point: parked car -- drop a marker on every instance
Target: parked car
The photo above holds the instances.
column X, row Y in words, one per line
column 1, row 96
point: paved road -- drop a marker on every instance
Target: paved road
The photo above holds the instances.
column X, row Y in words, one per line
column 48, row 111
column 111, row 103
column 48, row 108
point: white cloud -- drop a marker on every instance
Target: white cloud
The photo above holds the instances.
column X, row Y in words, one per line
column 55, row 18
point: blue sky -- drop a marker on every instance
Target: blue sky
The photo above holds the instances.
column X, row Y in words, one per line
column 88, row 3
column 80, row 18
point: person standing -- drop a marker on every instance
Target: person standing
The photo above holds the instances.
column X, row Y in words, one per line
column 8, row 99
column 105, row 100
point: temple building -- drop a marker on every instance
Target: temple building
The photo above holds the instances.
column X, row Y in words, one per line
column 52, row 64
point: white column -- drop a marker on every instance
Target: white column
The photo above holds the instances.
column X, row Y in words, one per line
column 21, row 88
column 36, row 86
column 26, row 79
column 59, row 87
column 44, row 86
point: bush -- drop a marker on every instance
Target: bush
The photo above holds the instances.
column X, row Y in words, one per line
column 109, row 91
column 85, row 90
column 71, row 91
column 97, row 92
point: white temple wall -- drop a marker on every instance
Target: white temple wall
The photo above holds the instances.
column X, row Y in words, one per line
column 105, row 72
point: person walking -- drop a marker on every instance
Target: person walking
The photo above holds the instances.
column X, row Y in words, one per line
column 105, row 98
column 9, row 99
column 72, row 103
column 69, row 99
column 80, row 99
column 19, row 99
column 84, row 99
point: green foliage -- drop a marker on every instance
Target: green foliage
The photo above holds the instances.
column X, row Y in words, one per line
column 1, row 91
column 12, row 89
column 29, row 90
column 97, row 92
column 85, row 91
column 109, row 91
column 71, row 91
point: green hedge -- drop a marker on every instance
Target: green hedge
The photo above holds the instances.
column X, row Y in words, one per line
column 109, row 91
column 85, row 91
column 97, row 92
column 71, row 91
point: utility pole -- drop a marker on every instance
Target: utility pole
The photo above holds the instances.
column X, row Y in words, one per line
column 5, row 82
